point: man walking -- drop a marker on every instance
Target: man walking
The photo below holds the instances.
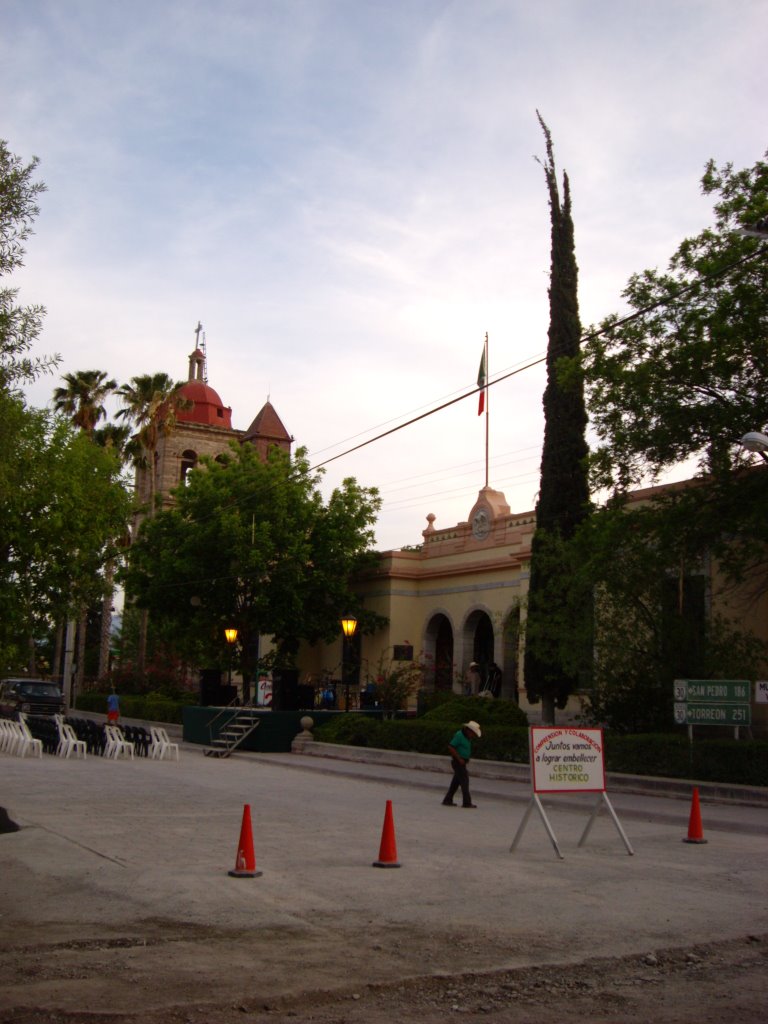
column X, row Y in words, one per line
column 460, row 749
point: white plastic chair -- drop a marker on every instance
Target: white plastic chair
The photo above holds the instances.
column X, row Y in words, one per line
column 27, row 743
column 160, row 746
column 9, row 735
column 68, row 742
column 116, row 745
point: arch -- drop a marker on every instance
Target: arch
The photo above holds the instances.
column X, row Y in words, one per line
column 438, row 648
column 478, row 641
column 188, row 461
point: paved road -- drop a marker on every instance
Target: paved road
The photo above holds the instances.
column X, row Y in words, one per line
column 124, row 842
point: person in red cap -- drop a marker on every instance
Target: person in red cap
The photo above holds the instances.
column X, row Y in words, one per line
column 460, row 749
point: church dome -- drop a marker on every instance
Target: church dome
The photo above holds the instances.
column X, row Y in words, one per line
column 208, row 408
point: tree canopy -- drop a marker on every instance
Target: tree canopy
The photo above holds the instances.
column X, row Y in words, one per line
column 685, row 375
column 250, row 544
column 61, row 505
column 19, row 325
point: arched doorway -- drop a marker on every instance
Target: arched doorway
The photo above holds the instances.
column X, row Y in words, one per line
column 438, row 644
column 479, row 640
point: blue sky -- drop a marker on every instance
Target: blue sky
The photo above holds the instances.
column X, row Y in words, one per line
column 344, row 193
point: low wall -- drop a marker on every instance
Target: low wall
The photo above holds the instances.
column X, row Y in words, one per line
column 275, row 734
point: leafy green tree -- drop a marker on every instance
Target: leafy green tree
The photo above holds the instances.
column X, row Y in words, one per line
column 250, row 544
column 20, row 326
column 61, row 505
column 651, row 578
column 682, row 377
column 563, row 494
column 685, row 375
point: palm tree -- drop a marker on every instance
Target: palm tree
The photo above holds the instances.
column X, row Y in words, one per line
column 152, row 402
column 82, row 399
column 118, row 438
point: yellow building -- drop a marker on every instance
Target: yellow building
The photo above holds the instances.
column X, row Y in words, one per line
column 460, row 597
column 456, row 599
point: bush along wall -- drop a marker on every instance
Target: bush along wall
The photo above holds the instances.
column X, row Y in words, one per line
column 148, row 707
column 736, row 762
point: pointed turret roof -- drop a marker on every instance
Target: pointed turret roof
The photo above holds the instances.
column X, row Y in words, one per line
column 267, row 425
column 267, row 429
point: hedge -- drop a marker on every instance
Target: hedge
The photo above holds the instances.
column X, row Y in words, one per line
column 739, row 762
column 149, row 707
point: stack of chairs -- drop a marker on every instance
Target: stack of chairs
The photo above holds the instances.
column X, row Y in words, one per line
column 116, row 745
column 139, row 737
column 161, row 746
column 69, row 742
column 91, row 732
column 18, row 740
column 44, row 728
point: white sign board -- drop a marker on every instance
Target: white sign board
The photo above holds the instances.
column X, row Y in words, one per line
column 761, row 691
column 567, row 760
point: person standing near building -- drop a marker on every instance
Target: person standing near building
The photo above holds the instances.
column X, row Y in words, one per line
column 113, row 708
column 493, row 682
column 472, row 680
column 460, row 749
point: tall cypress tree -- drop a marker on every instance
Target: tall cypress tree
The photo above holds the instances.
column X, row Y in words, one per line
column 563, row 491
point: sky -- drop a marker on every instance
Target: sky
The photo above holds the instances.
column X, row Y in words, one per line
column 345, row 194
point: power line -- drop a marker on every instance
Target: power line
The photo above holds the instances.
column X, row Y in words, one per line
column 665, row 301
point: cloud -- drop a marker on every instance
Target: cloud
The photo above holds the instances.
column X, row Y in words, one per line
column 345, row 194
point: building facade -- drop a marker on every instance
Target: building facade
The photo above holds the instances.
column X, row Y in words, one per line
column 205, row 429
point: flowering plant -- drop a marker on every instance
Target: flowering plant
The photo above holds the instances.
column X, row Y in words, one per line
column 395, row 681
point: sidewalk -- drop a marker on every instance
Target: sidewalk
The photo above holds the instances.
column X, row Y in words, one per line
column 713, row 792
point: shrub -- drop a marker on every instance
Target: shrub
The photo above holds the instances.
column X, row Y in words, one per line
column 731, row 762
column 151, row 707
column 423, row 736
column 484, row 710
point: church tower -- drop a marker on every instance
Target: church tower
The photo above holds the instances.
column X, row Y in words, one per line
column 205, row 428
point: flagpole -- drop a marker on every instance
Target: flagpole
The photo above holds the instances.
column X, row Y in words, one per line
column 487, row 408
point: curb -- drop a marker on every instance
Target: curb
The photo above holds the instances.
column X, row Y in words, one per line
column 641, row 785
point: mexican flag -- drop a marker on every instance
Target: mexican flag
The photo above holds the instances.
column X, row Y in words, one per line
column 481, row 383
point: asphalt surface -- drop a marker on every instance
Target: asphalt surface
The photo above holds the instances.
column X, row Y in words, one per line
column 318, row 821
column 126, row 848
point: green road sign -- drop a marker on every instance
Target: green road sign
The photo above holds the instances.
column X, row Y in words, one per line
column 713, row 691
column 713, row 714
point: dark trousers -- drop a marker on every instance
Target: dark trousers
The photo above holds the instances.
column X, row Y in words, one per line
column 460, row 779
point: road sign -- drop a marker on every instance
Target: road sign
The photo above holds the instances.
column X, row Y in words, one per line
column 713, row 714
column 713, row 691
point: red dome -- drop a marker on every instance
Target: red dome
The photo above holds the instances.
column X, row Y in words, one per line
column 208, row 408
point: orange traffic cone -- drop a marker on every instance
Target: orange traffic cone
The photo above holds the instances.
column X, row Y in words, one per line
column 388, row 848
column 245, row 862
column 695, row 831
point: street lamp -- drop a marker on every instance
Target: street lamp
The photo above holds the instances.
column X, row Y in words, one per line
column 348, row 626
column 231, row 636
column 755, row 441
column 757, row 230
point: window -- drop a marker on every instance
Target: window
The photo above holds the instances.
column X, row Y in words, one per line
column 188, row 461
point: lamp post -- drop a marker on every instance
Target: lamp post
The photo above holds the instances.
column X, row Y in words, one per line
column 757, row 230
column 755, row 441
column 348, row 626
column 230, row 634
